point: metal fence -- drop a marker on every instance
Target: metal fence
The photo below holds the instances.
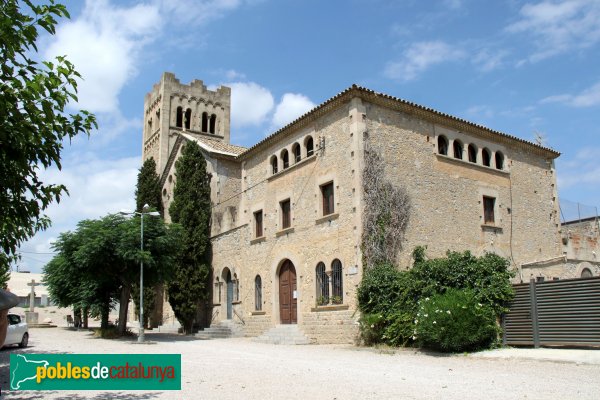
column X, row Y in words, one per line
column 554, row 313
column 571, row 211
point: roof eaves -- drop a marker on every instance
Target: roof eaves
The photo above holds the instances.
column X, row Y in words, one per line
column 388, row 100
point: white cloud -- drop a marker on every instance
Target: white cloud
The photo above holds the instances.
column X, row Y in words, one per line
column 96, row 188
column 583, row 169
column 104, row 43
column 197, row 11
column 559, row 26
column 487, row 59
column 587, row 98
column 250, row 103
column 419, row 57
column 292, row 106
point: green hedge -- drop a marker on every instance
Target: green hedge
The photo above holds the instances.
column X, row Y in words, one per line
column 389, row 299
column 455, row 321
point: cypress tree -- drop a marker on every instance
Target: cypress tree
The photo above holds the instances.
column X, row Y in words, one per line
column 191, row 208
column 148, row 187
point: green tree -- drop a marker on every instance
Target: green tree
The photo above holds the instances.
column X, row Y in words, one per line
column 97, row 264
column 148, row 187
column 192, row 208
column 147, row 192
column 33, row 122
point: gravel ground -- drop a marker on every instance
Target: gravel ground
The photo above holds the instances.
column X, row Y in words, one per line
column 242, row 369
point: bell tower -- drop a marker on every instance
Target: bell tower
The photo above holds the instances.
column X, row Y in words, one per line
column 172, row 108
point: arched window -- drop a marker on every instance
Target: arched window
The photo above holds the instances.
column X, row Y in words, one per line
column 274, row 164
column 586, row 273
column 204, row 122
column 443, row 145
column 472, row 153
column 257, row 293
column 337, row 284
column 486, row 157
column 188, row 118
column 179, row 118
column 322, row 285
column 213, row 122
column 217, row 299
column 310, row 149
column 458, row 149
column 296, row 151
column 285, row 158
column 499, row 160
column 236, row 288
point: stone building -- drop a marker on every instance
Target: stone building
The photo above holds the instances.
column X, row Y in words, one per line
column 287, row 212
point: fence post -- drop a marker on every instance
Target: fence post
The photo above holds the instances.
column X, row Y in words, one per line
column 534, row 314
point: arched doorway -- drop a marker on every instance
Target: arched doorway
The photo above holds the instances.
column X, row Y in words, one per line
column 288, row 298
column 229, row 283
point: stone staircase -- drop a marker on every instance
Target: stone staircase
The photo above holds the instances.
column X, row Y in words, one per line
column 283, row 334
column 222, row 330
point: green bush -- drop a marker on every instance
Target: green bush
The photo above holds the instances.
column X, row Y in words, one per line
column 387, row 301
column 455, row 321
column 488, row 276
column 371, row 328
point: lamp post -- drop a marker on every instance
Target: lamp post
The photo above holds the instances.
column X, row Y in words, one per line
column 141, row 214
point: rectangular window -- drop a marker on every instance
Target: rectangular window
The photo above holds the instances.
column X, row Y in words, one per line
column 328, row 199
column 258, row 218
column 286, row 217
column 488, row 210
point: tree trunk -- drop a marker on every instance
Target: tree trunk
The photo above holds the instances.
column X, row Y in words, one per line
column 123, row 305
column 85, row 313
column 104, row 317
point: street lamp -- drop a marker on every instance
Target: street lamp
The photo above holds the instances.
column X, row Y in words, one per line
column 141, row 214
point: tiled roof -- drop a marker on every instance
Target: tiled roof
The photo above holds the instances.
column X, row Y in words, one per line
column 395, row 102
column 216, row 146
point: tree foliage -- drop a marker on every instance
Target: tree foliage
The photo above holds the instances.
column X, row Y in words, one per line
column 191, row 207
column 33, row 122
column 147, row 192
column 148, row 187
column 97, row 265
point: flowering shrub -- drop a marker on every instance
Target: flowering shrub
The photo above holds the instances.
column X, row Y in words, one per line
column 454, row 321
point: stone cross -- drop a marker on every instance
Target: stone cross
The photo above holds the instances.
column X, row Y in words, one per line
column 32, row 294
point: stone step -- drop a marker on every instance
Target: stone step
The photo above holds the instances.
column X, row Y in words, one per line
column 222, row 330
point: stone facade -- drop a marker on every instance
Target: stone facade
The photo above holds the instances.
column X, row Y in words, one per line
column 295, row 199
column 581, row 253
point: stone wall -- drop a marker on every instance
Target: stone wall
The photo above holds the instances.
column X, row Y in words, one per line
column 446, row 193
column 336, row 326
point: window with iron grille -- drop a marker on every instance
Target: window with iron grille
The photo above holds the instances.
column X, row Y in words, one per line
column 286, row 217
column 488, row 209
column 322, row 285
column 274, row 164
column 328, row 199
column 337, row 286
column 257, row 293
column 258, row 223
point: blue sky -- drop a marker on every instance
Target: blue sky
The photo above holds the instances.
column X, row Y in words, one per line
column 527, row 68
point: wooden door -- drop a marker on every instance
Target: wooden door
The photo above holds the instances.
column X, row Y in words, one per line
column 288, row 302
